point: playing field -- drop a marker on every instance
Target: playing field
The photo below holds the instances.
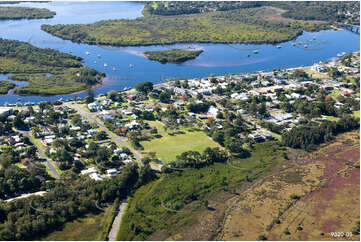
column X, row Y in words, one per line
column 173, row 143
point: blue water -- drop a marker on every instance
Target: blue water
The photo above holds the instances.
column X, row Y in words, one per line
column 218, row 59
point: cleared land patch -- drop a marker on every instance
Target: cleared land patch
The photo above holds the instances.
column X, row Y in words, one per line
column 175, row 142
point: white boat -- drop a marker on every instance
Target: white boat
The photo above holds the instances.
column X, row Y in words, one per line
column 114, row 69
column 293, row 44
column 95, row 62
column 99, row 56
column 305, row 46
column 130, row 65
column 255, row 51
column 105, row 65
column 87, row 53
column 278, row 47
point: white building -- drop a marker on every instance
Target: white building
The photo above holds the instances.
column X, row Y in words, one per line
column 88, row 171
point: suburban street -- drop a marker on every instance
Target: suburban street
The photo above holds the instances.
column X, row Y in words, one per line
column 115, row 138
column 42, row 155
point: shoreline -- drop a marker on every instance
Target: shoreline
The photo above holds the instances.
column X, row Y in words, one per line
column 157, row 85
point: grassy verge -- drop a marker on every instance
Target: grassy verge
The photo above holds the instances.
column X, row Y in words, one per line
column 174, row 202
column 110, row 215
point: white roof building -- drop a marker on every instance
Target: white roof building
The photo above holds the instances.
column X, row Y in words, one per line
column 213, row 111
column 88, row 171
column 95, row 176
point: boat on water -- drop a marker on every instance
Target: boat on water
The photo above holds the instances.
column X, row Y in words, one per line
column 95, row 62
column 293, row 44
column 248, row 55
column 131, row 65
column 255, row 51
column 278, row 47
column 105, row 64
column 87, row 52
column 99, row 56
column 305, row 46
column 114, row 69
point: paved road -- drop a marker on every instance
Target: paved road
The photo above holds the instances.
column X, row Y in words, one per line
column 42, row 155
column 114, row 137
column 115, row 226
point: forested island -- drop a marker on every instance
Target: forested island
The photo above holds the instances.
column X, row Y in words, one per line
column 235, row 26
column 49, row 72
column 172, row 56
column 25, row 13
column 211, row 22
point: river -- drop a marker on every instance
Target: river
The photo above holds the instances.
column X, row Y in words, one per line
column 218, row 59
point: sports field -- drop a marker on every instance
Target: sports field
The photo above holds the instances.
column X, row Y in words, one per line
column 173, row 143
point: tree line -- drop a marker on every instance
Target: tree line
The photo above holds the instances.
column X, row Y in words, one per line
column 308, row 136
column 68, row 198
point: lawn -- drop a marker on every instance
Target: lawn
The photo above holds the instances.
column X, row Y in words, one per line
column 156, row 124
column 356, row 114
column 90, row 227
column 335, row 94
column 331, row 118
column 173, row 143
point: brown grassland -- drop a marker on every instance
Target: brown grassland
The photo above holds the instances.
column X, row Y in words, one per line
column 327, row 182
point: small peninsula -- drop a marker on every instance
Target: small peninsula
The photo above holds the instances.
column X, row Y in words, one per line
column 172, row 56
column 6, row 86
column 48, row 72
